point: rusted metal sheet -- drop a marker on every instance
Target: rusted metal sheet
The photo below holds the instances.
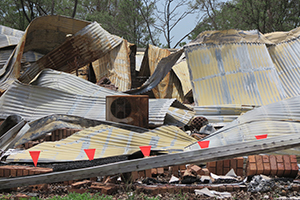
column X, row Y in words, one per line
column 86, row 46
column 115, row 65
column 128, row 109
column 283, row 36
column 108, row 141
column 9, row 36
column 230, row 36
column 169, row 86
column 240, row 74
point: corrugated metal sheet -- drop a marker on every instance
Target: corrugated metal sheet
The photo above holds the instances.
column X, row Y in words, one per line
column 40, row 127
column 56, row 92
column 87, row 45
column 230, row 36
column 115, row 65
column 108, row 141
column 280, row 36
column 275, row 119
column 169, row 86
column 221, row 115
column 71, row 84
column 42, row 35
column 182, row 72
column 239, row 74
column 9, row 36
column 178, row 117
column 287, row 61
column 138, row 60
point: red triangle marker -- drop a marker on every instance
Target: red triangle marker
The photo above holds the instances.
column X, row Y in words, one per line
column 203, row 144
column 90, row 153
column 35, row 156
column 264, row 136
column 145, row 150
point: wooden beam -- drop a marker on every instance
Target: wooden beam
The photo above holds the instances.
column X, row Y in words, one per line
column 196, row 156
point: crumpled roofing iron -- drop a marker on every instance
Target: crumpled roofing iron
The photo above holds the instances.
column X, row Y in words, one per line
column 108, row 141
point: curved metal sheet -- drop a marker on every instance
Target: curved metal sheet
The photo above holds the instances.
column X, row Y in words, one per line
column 115, row 65
column 182, row 72
column 108, row 141
column 281, row 36
column 276, row 119
column 9, row 36
column 238, row 74
column 229, row 37
column 286, row 58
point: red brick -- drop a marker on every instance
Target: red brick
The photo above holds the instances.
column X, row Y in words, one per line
column 13, row 171
column 273, row 165
column 109, row 190
column 259, row 164
column 279, row 158
column 280, row 168
column 6, row 172
column 76, row 190
column 134, row 175
column 267, row 168
column 154, row 171
column 251, row 169
column 2, row 171
column 151, row 190
column 222, row 188
column 220, row 167
column 251, row 159
column 81, row 183
column 196, row 169
column 287, row 166
column 212, row 164
column 148, row 173
column 225, row 170
column 233, row 164
column 240, row 172
column 182, row 167
column 265, row 158
column 229, row 188
column 160, row 170
column 175, row 170
column 141, row 174
column 293, row 158
column 204, row 171
column 294, row 170
column 236, row 188
column 240, row 162
column 226, row 163
column 93, row 179
column 22, row 196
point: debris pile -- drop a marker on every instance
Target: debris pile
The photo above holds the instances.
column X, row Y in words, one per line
column 85, row 110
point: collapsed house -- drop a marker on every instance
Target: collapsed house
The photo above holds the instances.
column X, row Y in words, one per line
column 243, row 83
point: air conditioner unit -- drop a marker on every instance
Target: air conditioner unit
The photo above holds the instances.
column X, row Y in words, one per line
column 128, row 109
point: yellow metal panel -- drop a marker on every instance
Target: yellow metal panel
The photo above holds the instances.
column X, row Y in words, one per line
column 240, row 74
column 108, row 141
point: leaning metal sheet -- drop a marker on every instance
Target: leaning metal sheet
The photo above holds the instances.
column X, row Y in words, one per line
column 182, row 71
column 115, row 65
column 9, row 36
column 108, row 141
column 240, row 74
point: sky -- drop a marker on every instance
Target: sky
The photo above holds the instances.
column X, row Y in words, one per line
column 182, row 28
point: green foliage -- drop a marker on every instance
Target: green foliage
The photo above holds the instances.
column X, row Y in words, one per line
column 263, row 15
